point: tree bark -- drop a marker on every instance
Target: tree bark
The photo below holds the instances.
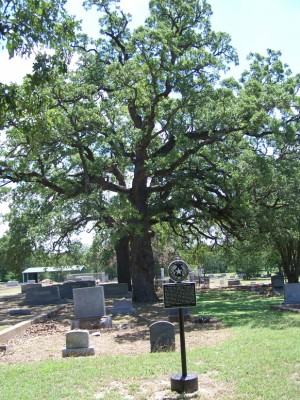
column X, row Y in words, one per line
column 142, row 265
column 122, row 254
column 290, row 256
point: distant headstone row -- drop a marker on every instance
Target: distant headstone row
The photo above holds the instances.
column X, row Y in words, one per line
column 53, row 294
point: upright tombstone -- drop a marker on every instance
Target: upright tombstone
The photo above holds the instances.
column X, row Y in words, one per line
column 66, row 288
column 292, row 294
column 41, row 295
column 123, row 306
column 89, row 302
column 116, row 290
column 277, row 282
column 162, row 336
column 178, row 295
column 77, row 344
column 26, row 286
column 89, row 309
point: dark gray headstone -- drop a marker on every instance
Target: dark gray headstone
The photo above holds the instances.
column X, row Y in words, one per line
column 20, row 311
column 66, row 289
column 277, row 282
column 115, row 290
column 43, row 295
column 162, row 336
column 233, row 282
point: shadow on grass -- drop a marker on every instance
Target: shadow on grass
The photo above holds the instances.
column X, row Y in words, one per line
column 245, row 308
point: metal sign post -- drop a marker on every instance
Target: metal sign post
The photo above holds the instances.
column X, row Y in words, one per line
column 181, row 294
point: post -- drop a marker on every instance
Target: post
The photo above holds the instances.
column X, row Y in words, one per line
column 181, row 295
column 182, row 342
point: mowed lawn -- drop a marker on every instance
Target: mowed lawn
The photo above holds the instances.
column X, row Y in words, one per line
column 259, row 360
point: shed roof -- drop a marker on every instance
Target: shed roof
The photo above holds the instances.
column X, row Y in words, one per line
column 33, row 270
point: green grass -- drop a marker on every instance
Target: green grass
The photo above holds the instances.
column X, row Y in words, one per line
column 10, row 291
column 259, row 360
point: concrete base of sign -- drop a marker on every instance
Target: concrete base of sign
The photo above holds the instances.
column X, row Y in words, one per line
column 187, row 384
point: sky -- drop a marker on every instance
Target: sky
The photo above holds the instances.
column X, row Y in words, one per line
column 254, row 26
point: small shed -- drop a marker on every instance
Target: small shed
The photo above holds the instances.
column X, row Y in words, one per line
column 54, row 273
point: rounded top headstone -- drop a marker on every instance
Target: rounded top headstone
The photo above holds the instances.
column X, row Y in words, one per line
column 178, row 270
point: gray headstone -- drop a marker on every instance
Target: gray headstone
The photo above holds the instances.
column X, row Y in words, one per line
column 292, row 293
column 89, row 302
column 162, row 336
column 113, row 290
column 12, row 283
column 277, row 281
column 174, row 316
column 123, row 306
column 25, row 286
column 43, row 295
column 77, row 339
column 20, row 311
column 77, row 344
column 66, row 289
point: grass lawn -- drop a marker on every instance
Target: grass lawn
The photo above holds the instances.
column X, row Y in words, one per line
column 7, row 291
column 260, row 360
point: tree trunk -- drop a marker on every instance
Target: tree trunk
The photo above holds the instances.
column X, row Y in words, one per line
column 142, row 266
column 290, row 256
column 122, row 254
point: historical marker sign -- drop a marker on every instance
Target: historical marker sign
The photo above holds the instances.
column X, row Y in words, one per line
column 178, row 270
column 179, row 295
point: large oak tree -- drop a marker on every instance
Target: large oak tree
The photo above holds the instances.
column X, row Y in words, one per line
column 143, row 127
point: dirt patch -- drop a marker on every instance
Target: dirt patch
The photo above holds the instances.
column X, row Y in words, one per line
column 129, row 334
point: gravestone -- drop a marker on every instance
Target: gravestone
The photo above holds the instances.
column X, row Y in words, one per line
column 292, row 293
column 174, row 317
column 43, row 295
column 26, row 286
column 277, row 282
column 116, row 290
column 89, row 302
column 233, row 282
column 123, row 306
column 12, row 283
column 66, row 288
column 89, row 309
column 205, row 281
column 77, row 344
column 20, row 311
column 162, row 336
column 192, row 276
